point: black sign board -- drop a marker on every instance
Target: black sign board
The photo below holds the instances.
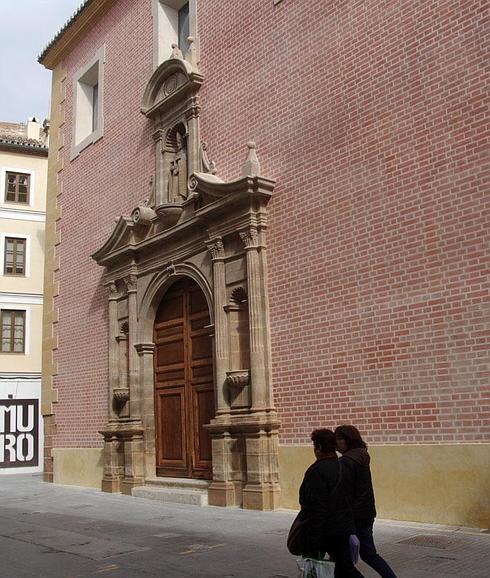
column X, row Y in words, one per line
column 19, row 433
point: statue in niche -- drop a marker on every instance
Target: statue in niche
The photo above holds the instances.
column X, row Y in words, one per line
column 177, row 165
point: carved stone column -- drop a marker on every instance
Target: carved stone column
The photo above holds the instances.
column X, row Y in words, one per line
column 221, row 341
column 160, row 172
column 134, row 386
column 146, row 352
column 257, row 319
column 113, row 348
column 194, row 139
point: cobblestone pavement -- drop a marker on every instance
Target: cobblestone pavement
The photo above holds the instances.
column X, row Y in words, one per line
column 66, row 532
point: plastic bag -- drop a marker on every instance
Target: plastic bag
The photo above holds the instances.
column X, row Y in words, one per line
column 354, row 547
column 311, row 568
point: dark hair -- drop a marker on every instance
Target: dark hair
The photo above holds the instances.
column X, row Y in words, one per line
column 323, row 439
column 351, row 436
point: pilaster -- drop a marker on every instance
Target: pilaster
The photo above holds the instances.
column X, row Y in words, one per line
column 256, row 312
column 221, row 340
column 134, row 386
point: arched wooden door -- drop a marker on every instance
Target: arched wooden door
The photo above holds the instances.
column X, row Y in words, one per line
column 184, row 393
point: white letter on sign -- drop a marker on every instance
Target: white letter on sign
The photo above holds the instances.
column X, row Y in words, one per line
column 30, row 418
column 7, row 443
column 30, row 448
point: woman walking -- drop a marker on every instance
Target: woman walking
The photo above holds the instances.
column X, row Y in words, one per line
column 326, row 508
column 359, row 485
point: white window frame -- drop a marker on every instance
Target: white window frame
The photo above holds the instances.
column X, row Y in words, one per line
column 27, row 255
column 80, row 138
column 27, row 326
column 3, row 188
column 166, row 27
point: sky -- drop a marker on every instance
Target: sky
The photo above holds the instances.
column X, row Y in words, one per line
column 27, row 27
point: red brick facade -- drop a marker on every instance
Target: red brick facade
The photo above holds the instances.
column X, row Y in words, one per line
column 371, row 116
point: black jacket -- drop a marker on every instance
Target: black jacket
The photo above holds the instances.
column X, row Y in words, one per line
column 359, row 484
column 327, row 514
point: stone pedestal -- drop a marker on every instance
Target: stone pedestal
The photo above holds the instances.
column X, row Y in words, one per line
column 245, row 462
column 123, row 458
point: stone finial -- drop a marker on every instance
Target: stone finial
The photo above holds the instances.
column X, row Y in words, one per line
column 251, row 167
column 191, row 55
column 176, row 52
column 207, row 165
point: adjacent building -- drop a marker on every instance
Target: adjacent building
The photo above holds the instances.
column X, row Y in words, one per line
column 23, row 177
column 266, row 217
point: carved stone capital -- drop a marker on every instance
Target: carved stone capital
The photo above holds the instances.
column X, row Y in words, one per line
column 194, row 108
column 250, row 238
column 113, row 293
column 216, row 248
column 131, row 283
column 158, row 135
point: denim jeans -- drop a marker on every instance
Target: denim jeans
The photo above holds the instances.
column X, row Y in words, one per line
column 368, row 553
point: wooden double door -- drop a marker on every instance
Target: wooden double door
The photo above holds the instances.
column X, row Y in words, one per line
column 184, row 392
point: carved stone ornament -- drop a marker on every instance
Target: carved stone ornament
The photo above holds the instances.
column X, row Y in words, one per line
column 143, row 216
column 113, row 292
column 217, row 248
column 131, row 283
column 207, row 166
column 239, row 296
column 249, row 238
column 237, row 379
column 121, row 397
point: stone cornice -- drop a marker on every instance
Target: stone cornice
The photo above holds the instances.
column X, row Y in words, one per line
column 73, row 31
column 227, row 198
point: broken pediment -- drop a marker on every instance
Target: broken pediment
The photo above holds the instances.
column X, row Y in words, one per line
column 211, row 201
column 121, row 237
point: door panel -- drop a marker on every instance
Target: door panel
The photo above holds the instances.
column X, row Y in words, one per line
column 184, row 392
column 171, row 430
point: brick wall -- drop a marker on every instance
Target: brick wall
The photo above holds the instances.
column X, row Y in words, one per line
column 370, row 115
column 105, row 181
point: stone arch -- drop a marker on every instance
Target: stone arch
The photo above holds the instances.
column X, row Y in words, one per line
column 156, row 290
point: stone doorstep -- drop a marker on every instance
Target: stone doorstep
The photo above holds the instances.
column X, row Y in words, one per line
column 174, row 490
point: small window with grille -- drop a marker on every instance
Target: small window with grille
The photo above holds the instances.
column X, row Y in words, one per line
column 13, row 331
column 17, row 187
column 14, row 256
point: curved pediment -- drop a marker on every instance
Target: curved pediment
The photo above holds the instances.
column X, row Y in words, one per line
column 172, row 80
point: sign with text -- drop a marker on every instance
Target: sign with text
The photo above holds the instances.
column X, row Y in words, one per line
column 19, row 433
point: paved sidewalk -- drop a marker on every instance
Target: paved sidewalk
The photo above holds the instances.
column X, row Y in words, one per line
column 67, row 532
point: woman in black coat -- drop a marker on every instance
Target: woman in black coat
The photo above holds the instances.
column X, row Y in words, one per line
column 355, row 461
column 326, row 507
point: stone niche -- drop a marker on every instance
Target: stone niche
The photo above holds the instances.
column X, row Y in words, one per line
column 194, row 225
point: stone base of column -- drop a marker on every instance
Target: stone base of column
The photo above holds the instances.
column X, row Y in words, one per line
column 222, row 494
column 111, row 486
column 261, row 496
column 128, row 485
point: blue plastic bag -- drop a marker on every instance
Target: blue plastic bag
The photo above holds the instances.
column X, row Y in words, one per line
column 354, row 547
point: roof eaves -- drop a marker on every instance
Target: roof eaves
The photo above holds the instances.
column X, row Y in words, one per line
column 29, row 144
column 85, row 4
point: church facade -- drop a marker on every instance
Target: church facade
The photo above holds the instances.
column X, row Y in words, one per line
column 253, row 233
